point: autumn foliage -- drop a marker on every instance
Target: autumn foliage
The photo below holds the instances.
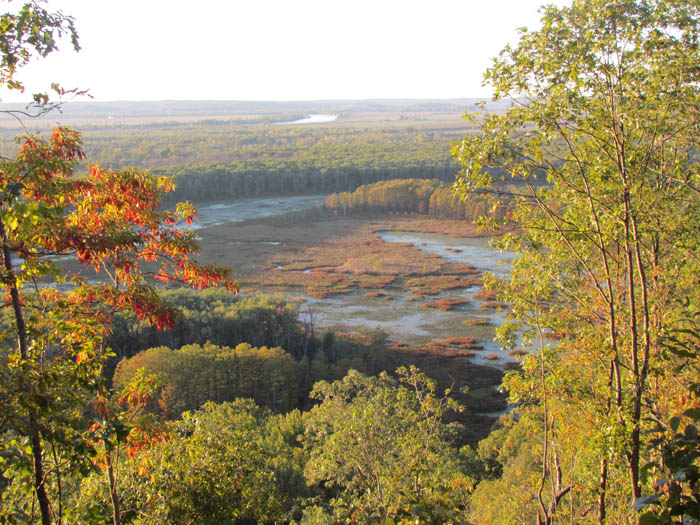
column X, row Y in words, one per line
column 107, row 225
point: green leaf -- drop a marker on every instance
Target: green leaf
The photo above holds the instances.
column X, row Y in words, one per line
column 693, row 413
column 674, row 422
column 649, row 518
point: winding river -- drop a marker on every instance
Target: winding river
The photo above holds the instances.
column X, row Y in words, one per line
column 402, row 319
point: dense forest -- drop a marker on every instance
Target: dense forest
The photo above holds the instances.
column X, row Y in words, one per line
column 219, row 160
column 215, row 160
column 421, row 196
column 148, row 388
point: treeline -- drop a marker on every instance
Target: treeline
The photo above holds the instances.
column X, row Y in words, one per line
column 218, row 317
column 202, row 144
column 286, row 161
column 284, row 177
column 194, row 374
column 422, row 196
column 225, row 160
column 223, row 142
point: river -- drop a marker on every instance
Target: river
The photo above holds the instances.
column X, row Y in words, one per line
column 246, row 209
column 403, row 319
column 311, row 119
column 406, row 320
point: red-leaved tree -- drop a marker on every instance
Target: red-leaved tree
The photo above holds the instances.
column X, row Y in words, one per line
column 108, row 227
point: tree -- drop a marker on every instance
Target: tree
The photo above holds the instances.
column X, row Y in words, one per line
column 32, row 31
column 110, row 223
column 225, row 463
column 381, row 450
column 602, row 137
column 123, row 424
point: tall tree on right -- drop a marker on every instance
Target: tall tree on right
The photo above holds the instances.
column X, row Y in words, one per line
column 602, row 139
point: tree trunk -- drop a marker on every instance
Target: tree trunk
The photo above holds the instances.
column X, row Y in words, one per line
column 34, row 435
column 114, row 497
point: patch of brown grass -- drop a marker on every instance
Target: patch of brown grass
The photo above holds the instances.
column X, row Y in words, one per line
column 485, row 295
column 477, row 321
column 449, row 227
column 437, row 284
column 492, row 305
column 446, row 303
column 462, row 343
column 466, row 269
column 374, row 281
column 322, row 293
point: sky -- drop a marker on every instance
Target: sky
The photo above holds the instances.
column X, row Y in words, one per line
column 281, row 49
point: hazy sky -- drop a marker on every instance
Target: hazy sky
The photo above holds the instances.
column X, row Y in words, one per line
column 282, row 49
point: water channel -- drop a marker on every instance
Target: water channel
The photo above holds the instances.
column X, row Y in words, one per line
column 246, row 209
column 311, row 119
column 406, row 320
column 401, row 318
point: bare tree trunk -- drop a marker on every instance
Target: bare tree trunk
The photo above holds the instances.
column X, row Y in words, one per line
column 113, row 495
column 34, row 435
column 602, row 490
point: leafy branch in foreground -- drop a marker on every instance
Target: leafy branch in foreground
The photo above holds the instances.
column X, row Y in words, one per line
column 604, row 107
column 33, row 31
column 109, row 223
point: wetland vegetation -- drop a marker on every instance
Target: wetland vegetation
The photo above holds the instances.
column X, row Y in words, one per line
column 376, row 361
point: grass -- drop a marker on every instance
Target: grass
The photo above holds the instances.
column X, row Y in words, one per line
column 437, row 284
column 446, row 303
column 477, row 321
column 335, row 256
column 465, row 343
column 485, row 295
column 492, row 305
